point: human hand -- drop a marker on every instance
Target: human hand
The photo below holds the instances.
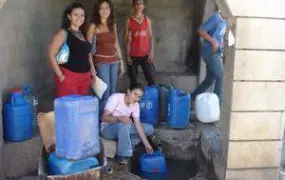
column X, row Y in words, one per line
column 150, row 58
column 129, row 60
column 215, row 46
column 125, row 120
column 122, row 71
column 148, row 148
column 61, row 78
column 93, row 74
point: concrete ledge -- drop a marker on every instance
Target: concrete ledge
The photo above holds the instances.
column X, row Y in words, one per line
column 179, row 144
column 210, row 140
column 110, row 148
column 21, row 158
column 182, row 81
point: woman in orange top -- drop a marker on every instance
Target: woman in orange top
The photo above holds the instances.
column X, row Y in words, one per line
column 108, row 56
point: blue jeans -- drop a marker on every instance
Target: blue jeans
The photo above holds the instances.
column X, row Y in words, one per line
column 126, row 135
column 215, row 73
column 109, row 74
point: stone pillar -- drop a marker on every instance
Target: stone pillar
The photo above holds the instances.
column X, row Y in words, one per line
column 253, row 117
column 1, row 145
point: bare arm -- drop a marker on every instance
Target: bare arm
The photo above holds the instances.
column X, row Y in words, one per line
column 53, row 48
column 109, row 118
column 142, row 135
column 92, row 67
column 151, row 41
column 119, row 52
column 90, row 32
column 127, row 42
column 206, row 36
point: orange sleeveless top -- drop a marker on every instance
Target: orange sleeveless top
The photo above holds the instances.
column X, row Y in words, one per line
column 106, row 51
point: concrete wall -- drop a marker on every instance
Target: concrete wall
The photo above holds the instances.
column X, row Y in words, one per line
column 173, row 25
column 26, row 28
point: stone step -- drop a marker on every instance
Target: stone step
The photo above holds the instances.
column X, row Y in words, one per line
column 21, row 158
column 119, row 172
column 184, row 82
column 179, row 144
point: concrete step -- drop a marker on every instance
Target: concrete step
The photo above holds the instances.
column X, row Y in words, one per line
column 184, row 82
column 119, row 172
column 179, row 144
column 21, row 158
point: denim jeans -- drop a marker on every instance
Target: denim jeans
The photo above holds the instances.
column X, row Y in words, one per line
column 126, row 135
column 109, row 74
column 214, row 74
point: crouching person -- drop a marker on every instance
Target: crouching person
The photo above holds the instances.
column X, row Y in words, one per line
column 121, row 122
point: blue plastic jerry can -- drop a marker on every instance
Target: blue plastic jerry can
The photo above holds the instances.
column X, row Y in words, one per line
column 17, row 118
column 149, row 105
column 178, row 109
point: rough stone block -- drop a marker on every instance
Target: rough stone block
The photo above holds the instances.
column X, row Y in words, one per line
column 119, row 172
column 210, row 141
column 260, row 34
column 258, row 96
column 259, row 65
column 252, row 174
column 110, row 148
column 254, row 154
column 179, row 144
column 256, row 8
column 256, row 126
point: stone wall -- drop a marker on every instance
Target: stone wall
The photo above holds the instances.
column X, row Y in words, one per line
column 174, row 26
column 26, row 28
column 253, row 115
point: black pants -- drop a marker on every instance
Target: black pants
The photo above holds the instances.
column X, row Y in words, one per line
column 148, row 70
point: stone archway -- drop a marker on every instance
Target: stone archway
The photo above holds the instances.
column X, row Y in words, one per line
column 253, row 116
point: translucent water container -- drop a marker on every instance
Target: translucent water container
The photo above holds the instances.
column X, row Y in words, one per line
column 59, row 166
column 76, row 127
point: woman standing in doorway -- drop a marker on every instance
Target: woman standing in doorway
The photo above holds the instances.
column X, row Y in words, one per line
column 108, row 56
column 73, row 77
column 139, row 44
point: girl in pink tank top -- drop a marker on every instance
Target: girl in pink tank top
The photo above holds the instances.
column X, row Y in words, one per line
column 139, row 44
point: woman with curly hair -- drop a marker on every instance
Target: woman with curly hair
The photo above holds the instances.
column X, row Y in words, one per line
column 73, row 77
column 108, row 56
